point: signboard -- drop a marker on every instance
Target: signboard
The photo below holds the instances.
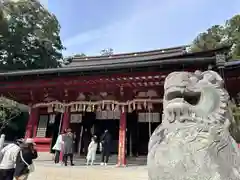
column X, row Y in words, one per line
column 76, row 118
column 42, row 126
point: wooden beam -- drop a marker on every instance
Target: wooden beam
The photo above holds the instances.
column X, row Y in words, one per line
column 87, row 80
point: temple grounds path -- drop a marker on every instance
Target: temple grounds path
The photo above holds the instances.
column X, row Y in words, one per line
column 53, row 172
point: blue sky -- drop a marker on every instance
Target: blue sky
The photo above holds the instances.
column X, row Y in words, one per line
column 88, row 26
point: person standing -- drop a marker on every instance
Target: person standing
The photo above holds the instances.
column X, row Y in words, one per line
column 24, row 162
column 105, row 144
column 86, row 140
column 58, row 147
column 68, row 147
column 2, row 139
column 8, row 160
column 92, row 150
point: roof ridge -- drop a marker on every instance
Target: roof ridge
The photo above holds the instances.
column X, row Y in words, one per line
column 124, row 55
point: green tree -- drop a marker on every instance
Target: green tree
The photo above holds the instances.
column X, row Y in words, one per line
column 31, row 39
column 69, row 59
column 106, row 52
column 210, row 39
column 81, row 55
column 232, row 29
column 217, row 36
column 8, row 111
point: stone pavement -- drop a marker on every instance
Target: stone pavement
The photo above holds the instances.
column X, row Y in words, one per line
column 53, row 172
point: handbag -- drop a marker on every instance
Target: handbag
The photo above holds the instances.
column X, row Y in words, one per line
column 30, row 167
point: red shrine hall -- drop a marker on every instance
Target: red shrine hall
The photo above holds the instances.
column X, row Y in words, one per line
column 121, row 93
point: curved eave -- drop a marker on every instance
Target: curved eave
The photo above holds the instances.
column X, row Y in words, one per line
column 165, row 51
column 107, row 66
column 232, row 64
column 143, row 61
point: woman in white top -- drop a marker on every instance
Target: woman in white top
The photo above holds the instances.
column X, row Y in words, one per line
column 92, row 149
column 57, row 148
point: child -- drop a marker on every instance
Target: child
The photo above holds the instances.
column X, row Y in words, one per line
column 92, row 149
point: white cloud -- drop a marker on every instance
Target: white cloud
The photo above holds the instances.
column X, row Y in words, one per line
column 152, row 24
column 146, row 18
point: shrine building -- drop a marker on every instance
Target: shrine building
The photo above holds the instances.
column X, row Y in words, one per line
column 121, row 92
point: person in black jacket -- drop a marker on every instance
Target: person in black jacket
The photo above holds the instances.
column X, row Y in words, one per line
column 105, row 144
column 25, row 160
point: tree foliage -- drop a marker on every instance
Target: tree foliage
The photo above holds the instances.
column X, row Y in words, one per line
column 106, row 52
column 220, row 35
column 81, row 55
column 29, row 36
column 69, row 59
column 8, row 111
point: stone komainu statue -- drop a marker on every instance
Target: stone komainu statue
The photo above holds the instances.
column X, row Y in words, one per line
column 194, row 142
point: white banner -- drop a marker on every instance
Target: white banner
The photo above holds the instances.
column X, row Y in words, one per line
column 104, row 115
column 76, row 118
column 146, row 117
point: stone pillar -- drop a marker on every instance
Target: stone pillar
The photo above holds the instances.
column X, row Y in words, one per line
column 122, row 140
column 31, row 129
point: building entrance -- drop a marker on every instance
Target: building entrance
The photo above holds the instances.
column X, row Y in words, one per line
column 112, row 126
column 146, row 124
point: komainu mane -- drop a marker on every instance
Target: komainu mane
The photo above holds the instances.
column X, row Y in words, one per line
column 194, row 141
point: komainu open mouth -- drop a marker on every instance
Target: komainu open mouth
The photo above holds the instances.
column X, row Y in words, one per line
column 190, row 97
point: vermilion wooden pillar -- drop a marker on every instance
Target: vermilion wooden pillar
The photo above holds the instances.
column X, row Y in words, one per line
column 65, row 125
column 31, row 129
column 122, row 140
column 65, row 120
column 35, row 121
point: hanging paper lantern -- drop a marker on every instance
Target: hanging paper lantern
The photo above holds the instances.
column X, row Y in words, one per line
column 116, row 108
column 108, row 107
column 89, row 108
column 63, row 108
column 93, row 108
column 139, row 106
column 145, row 105
column 99, row 108
column 72, row 108
column 150, row 106
column 134, row 106
column 79, row 108
column 123, row 109
column 57, row 108
column 129, row 108
column 50, row 109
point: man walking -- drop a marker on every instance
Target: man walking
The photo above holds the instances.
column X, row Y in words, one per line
column 8, row 156
column 105, row 144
